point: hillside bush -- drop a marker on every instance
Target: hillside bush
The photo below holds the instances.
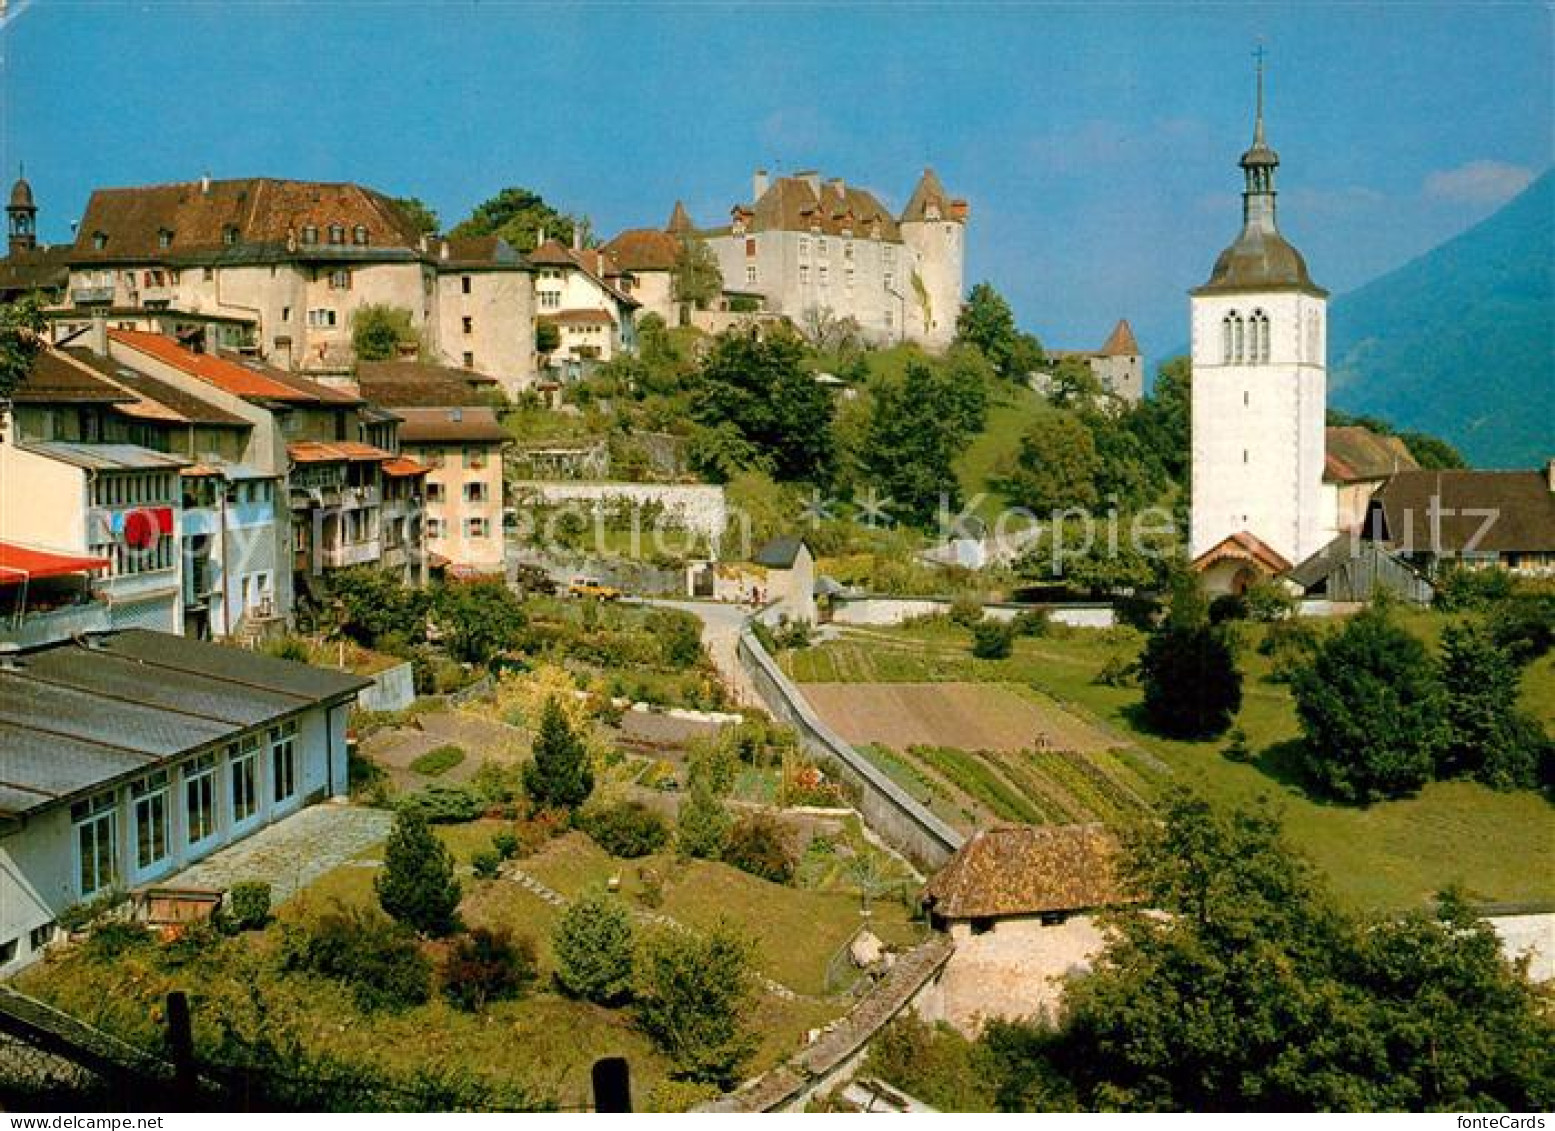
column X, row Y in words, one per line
column 376, row 957
column 627, row 829
column 702, row 826
column 248, row 905
column 992, row 640
column 593, row 944
column 966, row 611
column 758, row 844
column 440, row 804
column 438, row 760
column 487, row 965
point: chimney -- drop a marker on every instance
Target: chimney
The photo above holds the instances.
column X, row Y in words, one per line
column 539, row 237
column 1549, row 474
column 577, row 238
column 442, row 249
column 839, row 186
column 205, row 184
column 758, row 185
column 100, row 332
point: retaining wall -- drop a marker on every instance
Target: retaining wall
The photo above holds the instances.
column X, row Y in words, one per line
column 393, row 689
column 888, row 809
column 699, row 507
column 873, row 610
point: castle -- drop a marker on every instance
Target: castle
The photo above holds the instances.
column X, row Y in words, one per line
column 1259, row 392
column 811, row 249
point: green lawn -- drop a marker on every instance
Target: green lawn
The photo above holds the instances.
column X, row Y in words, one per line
column 996, row 446
column 1500, row 846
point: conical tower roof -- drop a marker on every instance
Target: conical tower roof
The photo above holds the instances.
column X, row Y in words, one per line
column 1121, row 342
column 680, row 220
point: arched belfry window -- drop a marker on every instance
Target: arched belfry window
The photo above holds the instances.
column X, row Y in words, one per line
column 1258, row 334
column 1239, row 340
column 1231, row 337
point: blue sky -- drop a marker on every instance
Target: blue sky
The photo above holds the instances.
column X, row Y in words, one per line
column 1097, row 144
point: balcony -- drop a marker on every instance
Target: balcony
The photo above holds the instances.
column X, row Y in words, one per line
column 34, row 628
column 91, row 296
column 352, row 554
column 156, row 296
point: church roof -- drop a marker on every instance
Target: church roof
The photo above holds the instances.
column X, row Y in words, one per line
column 680, row 220
column 1259, row 260
column 1244, row 547
column 1353, row 453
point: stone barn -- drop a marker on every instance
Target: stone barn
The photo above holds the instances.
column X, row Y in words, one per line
column 1020, row 904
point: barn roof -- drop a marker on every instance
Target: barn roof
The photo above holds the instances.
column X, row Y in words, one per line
column 1028, row 869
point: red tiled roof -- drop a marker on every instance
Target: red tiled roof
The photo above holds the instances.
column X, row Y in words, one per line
column 21, row 563
column 644, row 249
column 340, row 451
column 578, row 318
column 251, row 380
column 1241, row 546
column 401, row 468
column 1121, row 342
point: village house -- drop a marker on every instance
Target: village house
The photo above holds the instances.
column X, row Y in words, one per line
column 462, row 449
column 279, row 268
column 126, row 756
column 809, row 248
column 351, row 498
column 1020, row 903
column 1356, row 462
column 787, row 571
column 647, row 258
column 226, row 529
column 1476, row 519
column 580, row 292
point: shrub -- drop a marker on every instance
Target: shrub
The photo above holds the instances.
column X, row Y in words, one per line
column 1488, row 736
column 992, row 640
column 713, row 763
column 1236, row 748
column 1290, row 644
column 1268, row 602
column 681, row 1095
column 440, row 804
column 505, row 844
column 759, row 845
column 248, row 905
column 111, row 938
column 933, row 1063
column 679, row 636
column 1524, row 624
column 628, row 829
column 966, row 611
column 1032, row 622
column 539, row 829
column 416, row 885
column 487, row 965
column 1460, row 588
column 560, row 775
column 593, row 947
column 1227, row 607
column 497, row 786
column 1116, row 671
column 702, row 827
column 486, row 863
column 1137, row 611
column 1188, row 671
column 693, row 996
column 377, row 958
column 438, row 760
column 288, row 648
column 1370, row 706
column 792, row 633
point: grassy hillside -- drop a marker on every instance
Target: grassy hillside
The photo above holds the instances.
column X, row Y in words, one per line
column 1458, row 342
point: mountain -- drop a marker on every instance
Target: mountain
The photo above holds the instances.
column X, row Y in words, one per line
column 1461, row 341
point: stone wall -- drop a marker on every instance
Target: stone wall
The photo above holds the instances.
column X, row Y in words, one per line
column 393, row 689
column 698, row 507
column 887, row 808
column 872, row 610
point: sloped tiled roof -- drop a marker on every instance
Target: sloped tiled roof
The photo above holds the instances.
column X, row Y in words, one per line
column 791, row 204
column 1353, row 453
column 261, row 212
column 246, row 378
column 1121, row 342
column 37, row 269
column 1446, row 511
column 929, row 191
column 148, row 394
column 401, row 384
column 451, row 426
column 479, row 253
column 644, row 249
column 780, row 553
column 1242, row 546
column 579, row 317
column 1029, row 869
column 338, row 451
column 55, row 379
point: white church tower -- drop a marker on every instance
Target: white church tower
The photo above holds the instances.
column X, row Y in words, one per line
column 1259, row 394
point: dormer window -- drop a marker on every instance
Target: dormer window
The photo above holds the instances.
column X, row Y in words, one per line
column 99, row 240
column 229, row 235
column 931, row 211
column 164, row 238
column 359, row 235
column 337, row 234
column 310, row 234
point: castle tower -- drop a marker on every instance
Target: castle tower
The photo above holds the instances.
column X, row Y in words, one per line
column 933, row 227
column 1259, row 391
column 22, row 218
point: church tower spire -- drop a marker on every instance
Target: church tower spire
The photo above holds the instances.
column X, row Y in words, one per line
column 1258, row 165
column 21, row 217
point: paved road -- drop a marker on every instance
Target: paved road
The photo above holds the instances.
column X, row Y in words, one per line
column 721, row 633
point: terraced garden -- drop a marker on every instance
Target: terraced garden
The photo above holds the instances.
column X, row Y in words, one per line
column 1499, row 845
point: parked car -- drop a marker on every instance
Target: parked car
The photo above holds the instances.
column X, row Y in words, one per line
column 593, row 587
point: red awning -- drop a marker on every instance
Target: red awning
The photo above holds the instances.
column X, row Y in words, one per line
column 17, row 563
